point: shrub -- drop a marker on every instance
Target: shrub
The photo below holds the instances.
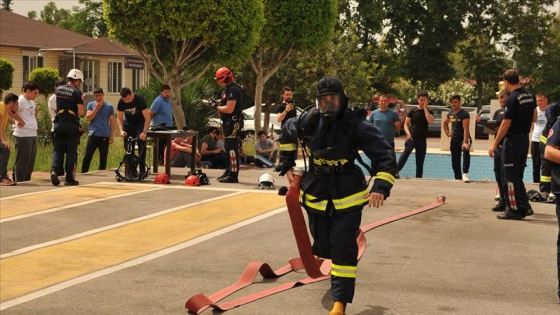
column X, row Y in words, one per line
column 6, row 75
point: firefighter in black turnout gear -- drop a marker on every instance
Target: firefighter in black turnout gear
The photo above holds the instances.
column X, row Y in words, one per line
column 334, row 189
column 230, row 109
column 69, row 108
column 551, row 113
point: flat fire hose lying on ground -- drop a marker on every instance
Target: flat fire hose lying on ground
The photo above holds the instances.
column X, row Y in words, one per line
column 317, row 269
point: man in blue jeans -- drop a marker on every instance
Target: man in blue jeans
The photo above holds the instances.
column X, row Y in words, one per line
column 101, row 117
column 416, row 129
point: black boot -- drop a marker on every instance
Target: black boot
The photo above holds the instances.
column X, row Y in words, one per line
column 500, row 206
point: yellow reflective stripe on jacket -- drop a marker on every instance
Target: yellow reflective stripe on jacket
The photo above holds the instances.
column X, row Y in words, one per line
column 311, row 202
column 288, row 146
column 543, row 139
column 546, row 179
column 386, row 176
column 322, row 162
column 356, row 199
column 344, row 271
column 69, row 111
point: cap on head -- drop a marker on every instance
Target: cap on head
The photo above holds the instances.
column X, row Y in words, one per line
column 75, row 74
column 224, row 75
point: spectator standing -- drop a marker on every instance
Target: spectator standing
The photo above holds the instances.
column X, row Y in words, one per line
column 416, row 129
column 387, row 121
column 101, row 117
column 498, row 166
column 25, row 132
column 161, row 113
column 538, row 127
column 514, row 130
column 460, row 138
column 266, row 150
column 285, row 111
column 133, row 120
column 69, row 109
column 7, row 108
column 552, row 154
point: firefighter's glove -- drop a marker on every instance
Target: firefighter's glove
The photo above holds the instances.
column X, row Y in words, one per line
column 286, row 166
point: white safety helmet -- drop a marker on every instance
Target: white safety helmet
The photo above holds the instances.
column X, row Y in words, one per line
column 75, row 74
column 266, row 181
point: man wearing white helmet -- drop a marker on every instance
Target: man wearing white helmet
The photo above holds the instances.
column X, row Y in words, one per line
column 69, row 108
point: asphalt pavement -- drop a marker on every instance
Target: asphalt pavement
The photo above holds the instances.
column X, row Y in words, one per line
column 140, row 248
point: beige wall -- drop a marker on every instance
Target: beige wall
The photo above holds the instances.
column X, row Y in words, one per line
column 51, row 60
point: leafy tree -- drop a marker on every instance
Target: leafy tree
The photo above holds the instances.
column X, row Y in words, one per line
column 53, row 15
column 423, row 33
column 6, row 5
column 546, row 77
column 87, row 20
column 180, row 40
column 292, row 25
column 6, row 75
column 45, row 79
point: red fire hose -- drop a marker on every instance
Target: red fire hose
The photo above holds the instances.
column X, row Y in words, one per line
column 317, row 269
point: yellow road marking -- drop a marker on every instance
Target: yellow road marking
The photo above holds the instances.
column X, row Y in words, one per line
column 47, row 266
column 52, row 199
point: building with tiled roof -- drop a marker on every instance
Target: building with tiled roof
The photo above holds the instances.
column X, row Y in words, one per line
column 30, row 44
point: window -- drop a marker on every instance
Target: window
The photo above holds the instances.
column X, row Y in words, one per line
column 30, row 63
column 115, row 77
column 136, row 79
column 91, row 75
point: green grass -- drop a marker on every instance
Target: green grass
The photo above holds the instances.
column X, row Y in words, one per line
column 44, row 156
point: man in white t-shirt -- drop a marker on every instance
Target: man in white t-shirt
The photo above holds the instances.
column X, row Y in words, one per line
column 538, row 126
column 25, row 133
column 266, row 150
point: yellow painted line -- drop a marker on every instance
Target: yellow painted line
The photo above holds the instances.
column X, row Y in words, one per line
column 51, row 265
column 59, row 198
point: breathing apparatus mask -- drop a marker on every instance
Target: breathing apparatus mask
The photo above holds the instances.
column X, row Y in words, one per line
column 331, row 99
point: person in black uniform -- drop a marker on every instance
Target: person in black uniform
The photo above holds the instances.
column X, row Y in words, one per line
column 552, row 154
column 230, row 109
column 416, row 129
column 285, row 111
column 460, row 138
column 551, row 113
column 334, row 190
column 498, row 167
column 69, row 108
column 520, row 112
column 133, row 120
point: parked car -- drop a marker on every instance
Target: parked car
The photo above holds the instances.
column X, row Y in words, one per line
column 248, row 125
column 272, row 120
column 484, row 115
column 394, row 104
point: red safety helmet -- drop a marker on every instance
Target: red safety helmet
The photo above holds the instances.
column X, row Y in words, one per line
column 224, row 75
column 192, row 180
column 161, row 178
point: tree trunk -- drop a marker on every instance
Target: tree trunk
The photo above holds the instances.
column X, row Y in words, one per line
column 178, row 111
column 259, row 87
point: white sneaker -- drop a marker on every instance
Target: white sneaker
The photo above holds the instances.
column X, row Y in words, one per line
column 466, row 178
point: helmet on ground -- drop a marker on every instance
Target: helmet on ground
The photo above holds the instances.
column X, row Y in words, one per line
column 224, row 75
column 331, row 98
column 192, row 180
column 161, row 178
column 75, row 74
column 266, row 181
